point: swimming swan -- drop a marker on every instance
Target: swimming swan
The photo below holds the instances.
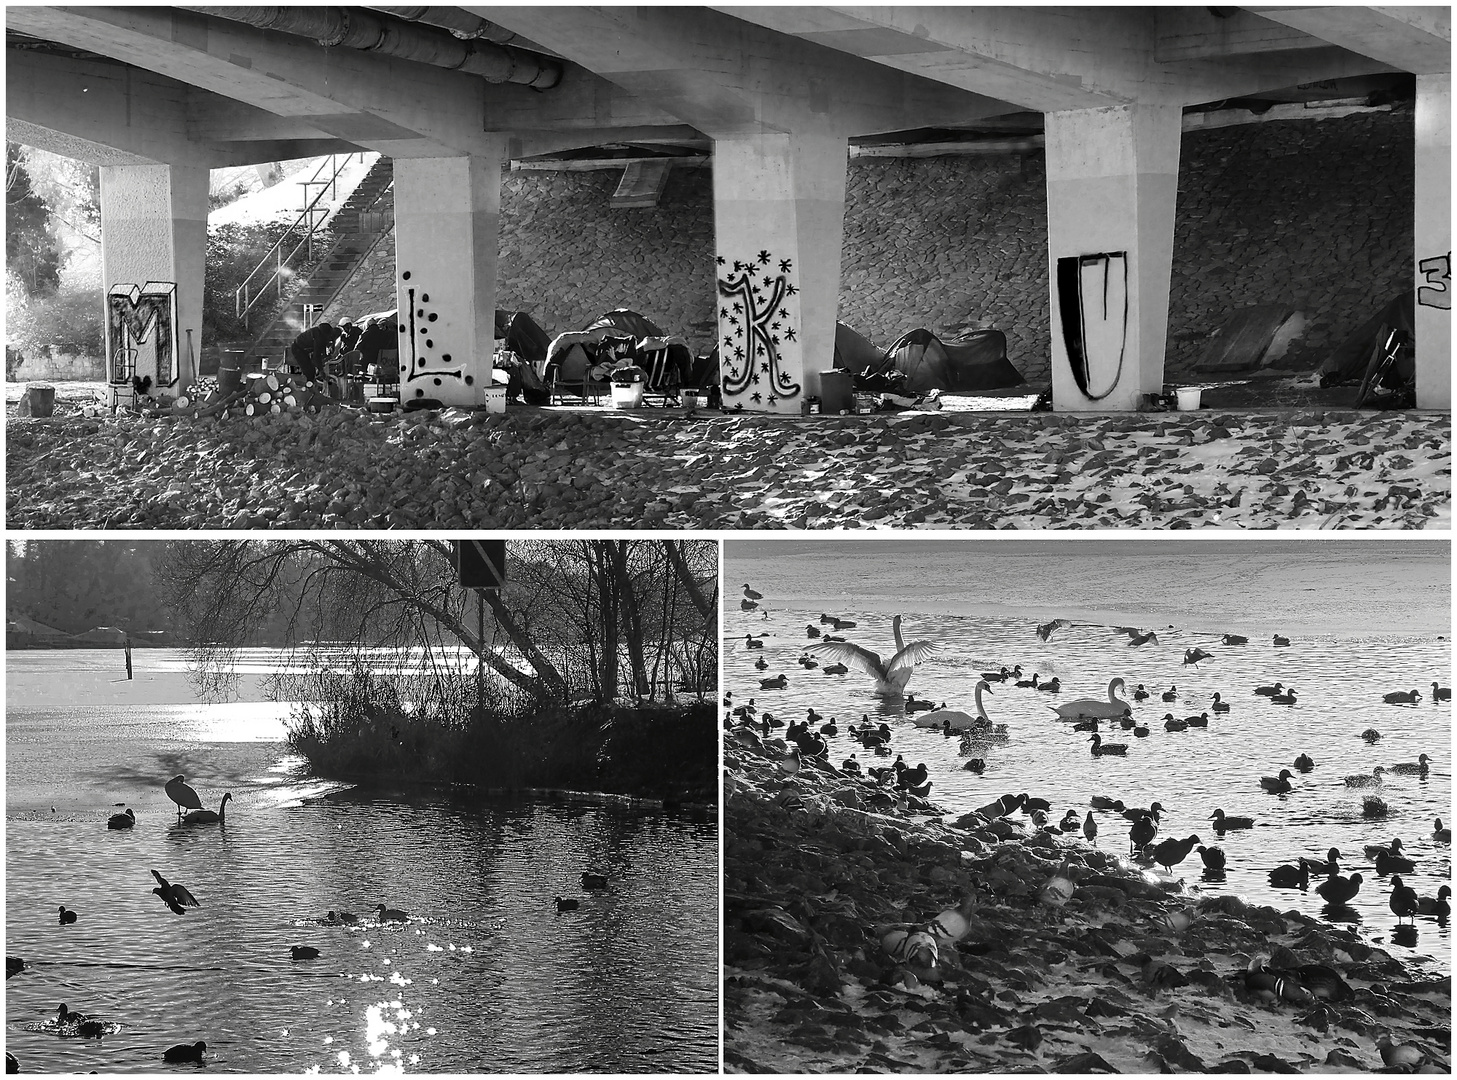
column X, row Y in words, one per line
column 1094, row 707
column 959, row 721
column 890, row 678
column 207, row 817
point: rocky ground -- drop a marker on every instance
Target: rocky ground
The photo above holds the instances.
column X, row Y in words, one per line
column 1134, row 973
column 657, row 468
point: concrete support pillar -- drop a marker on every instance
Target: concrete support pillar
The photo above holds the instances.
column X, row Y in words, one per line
column 779, row 220
column 1112, row 182
column 1433, row 247
column 447, row 244
column 153, row 230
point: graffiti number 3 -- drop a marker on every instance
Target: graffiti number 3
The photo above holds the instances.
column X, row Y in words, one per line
column 1437, row 273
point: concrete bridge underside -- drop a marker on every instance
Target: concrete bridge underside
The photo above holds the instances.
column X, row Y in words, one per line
column 157, row 96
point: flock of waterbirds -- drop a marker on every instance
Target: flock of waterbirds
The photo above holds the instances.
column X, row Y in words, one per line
column 178, row 899
column 807, row 743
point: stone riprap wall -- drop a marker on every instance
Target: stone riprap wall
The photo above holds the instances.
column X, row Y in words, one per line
column 1315, row 214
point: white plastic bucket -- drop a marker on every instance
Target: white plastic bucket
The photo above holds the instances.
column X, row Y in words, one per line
column 627, row 397
column 1188, row 398
column 496, row 399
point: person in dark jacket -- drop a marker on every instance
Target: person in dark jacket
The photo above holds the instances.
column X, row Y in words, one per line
column 349, row 335
column 310, row 349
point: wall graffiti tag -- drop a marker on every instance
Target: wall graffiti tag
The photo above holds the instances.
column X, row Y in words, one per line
column 1092, row 299
column 1437, row 273
column 755, row 321
column 417, row 327
column 141, row 332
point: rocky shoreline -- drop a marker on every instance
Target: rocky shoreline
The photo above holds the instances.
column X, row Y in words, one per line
column 1130, row 973
column 543, row 468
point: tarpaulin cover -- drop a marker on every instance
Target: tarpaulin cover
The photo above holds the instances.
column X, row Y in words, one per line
column 1348, row 363
column 1245, row 338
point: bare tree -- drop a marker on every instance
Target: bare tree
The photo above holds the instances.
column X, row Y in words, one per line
column 601, row 598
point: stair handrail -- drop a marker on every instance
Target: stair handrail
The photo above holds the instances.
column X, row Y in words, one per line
column 243, row 300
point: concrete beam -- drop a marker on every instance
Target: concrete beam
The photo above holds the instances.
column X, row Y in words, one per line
column 1049, row 59
column 727, row 76
column 116, row 114
column 1415, row 39
column 1197, row 34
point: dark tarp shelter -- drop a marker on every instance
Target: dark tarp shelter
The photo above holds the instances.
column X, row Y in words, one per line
column 976, row 362
column 1351, row 359
column 1253, row 337
column 665, row 357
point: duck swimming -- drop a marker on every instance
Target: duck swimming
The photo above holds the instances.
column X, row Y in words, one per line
column 1441, row 833
column 1101, row 749
column 1441, row 693
column 1287, row 698
column 1327, row 866
column 1140, row 694
column 1085, row 708
column 1291, row 877
column 1402, row 697
column 1171, row 694
column 184, row 1052
column 1270, row 691
column 1304, row 763
column 1371, row 736
column 1281, row 641
column 1438, row 905
column 1412, row 768
column 1218, row 705
column 303, row 952
column 1223, row 823
column 67, row 917
column 779, row 682
column 599, row 881
column 1234, row 639
column 389, row 914
column 1393, row 864
column 1364, row 780
column 122, row 821
column 1031, row 683
column 1277, row 785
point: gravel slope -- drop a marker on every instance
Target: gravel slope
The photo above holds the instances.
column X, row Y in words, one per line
column 659, row 469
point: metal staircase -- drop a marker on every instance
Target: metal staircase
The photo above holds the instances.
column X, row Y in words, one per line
column 357, row 227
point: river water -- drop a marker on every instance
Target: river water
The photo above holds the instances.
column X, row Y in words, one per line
column 485, row 976
column 1365, row 618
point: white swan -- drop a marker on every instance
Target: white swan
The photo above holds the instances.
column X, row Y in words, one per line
column 890, row 678
column 1095, row 708
column 960, row 721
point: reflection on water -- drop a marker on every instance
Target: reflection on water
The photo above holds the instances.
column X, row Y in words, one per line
column 485, row 975
column 1339, row 681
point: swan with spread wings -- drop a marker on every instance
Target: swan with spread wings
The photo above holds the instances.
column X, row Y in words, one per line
column 890, row 677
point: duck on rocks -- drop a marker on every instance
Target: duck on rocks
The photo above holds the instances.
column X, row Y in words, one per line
column 1057, row 890
column 122, row 821
column 1217, row 704
column 1223, row 822
column 1336, row 890
column 1291, row 877
column 1412, row 768
column 1070, row 822
column 1273, row 987
column 1171, row 852
column 1304, row 763
column 914, row 778
column 1277, row 785
column 1393, row 864
column 850, row 765
column 1090, row 829
column 1403, row 901
column 1404, row 1056
column 1102, row 749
